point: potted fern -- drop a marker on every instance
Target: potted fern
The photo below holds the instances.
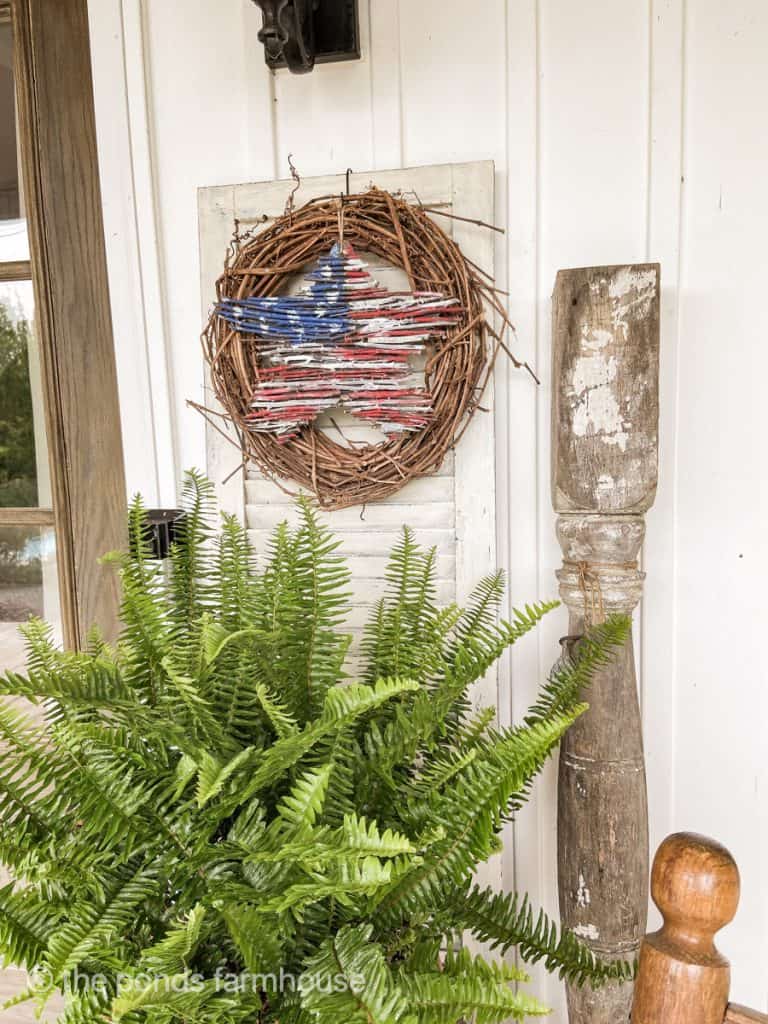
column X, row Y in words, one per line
column 213, row 824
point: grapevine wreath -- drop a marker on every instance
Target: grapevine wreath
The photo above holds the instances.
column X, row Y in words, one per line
column 276, row 361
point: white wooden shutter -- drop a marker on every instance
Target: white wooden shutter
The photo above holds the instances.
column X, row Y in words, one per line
column 454, row 509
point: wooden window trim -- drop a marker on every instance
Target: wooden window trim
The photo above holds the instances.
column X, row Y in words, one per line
column 15, row 270
column 27, row 517
column 73, row 318
column 12, row 271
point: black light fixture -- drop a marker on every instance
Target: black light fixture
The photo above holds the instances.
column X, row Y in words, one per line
column 297, row 34
column 163, row 527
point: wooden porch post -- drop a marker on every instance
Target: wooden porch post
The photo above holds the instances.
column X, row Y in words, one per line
column 604, row 471
column 73, row 320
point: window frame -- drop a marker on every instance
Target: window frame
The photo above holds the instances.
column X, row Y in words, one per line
column 67, row 267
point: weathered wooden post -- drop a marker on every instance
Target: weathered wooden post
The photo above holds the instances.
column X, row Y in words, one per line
column 604, row 470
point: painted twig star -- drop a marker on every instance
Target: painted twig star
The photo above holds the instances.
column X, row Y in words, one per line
column 342, row 341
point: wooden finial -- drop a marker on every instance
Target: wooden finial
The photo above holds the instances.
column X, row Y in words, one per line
column 683, row 979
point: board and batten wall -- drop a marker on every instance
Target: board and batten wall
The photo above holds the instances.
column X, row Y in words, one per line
column 622, row 131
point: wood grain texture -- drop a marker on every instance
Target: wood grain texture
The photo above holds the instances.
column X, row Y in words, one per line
column 602, row 820
column 27, row 517
column 15, row 270
column 60, row 166
column 605, row 398
column 683, row 978
column 605, row 408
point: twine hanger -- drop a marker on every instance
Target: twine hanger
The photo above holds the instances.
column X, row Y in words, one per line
column 592, row 591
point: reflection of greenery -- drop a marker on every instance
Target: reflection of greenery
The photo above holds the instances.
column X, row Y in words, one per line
column 20, row 562
column 18, row 477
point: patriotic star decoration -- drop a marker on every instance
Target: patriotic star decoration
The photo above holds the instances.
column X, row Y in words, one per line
column 342, row 341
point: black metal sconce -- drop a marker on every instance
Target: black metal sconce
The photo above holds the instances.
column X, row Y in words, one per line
column 297, row 34
column 163, row 528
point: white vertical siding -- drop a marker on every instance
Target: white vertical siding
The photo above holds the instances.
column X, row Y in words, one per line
column 622, row 130
column 721, row 698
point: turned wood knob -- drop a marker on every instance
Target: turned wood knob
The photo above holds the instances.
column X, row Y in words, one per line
column 683, row 979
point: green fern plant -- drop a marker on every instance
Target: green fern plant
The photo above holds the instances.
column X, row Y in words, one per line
column 212, row 823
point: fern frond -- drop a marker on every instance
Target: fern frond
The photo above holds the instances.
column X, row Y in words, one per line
column 283, row 723
column 479, row 616
column 443, row 999
column 567, row 683
column 314, row 648
column 234, row 585
column 191, row 557
column 479, row 644
column 441, row 771
column 355, row 700
column 472, row 731
column 213, row 798
column 344, row 884
column 172, row 954
column 91, row 925
column 349, row 981
column 178, row 997
column 342, row 704
column 256, row 937
column 143, row 610
column 405, row 632
column 299, row 810
column 507, row 921
column 213, row 775
column 26, row 923
column 472, row 812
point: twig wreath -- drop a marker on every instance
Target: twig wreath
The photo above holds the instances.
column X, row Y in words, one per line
column 461, row 302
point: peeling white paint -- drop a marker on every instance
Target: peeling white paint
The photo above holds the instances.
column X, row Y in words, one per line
column 606, row 484
column 595, row 338
column 583, row 896
column 638, row 283
column 596, row 409
column 586, row 931
column 628, row 289
column 593, row 372
column 626, row 280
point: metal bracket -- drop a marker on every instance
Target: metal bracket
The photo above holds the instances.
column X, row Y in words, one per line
column 163, row 526
column 299, row 33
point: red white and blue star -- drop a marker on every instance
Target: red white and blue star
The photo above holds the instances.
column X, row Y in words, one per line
column 342, row 341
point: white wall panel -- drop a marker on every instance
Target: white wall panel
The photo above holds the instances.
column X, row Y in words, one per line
column 721, row 783
column 132, row 250
column 519, row 468
column 205, row 123
column 659, row 646
column 325, row 119
column 593, row 113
